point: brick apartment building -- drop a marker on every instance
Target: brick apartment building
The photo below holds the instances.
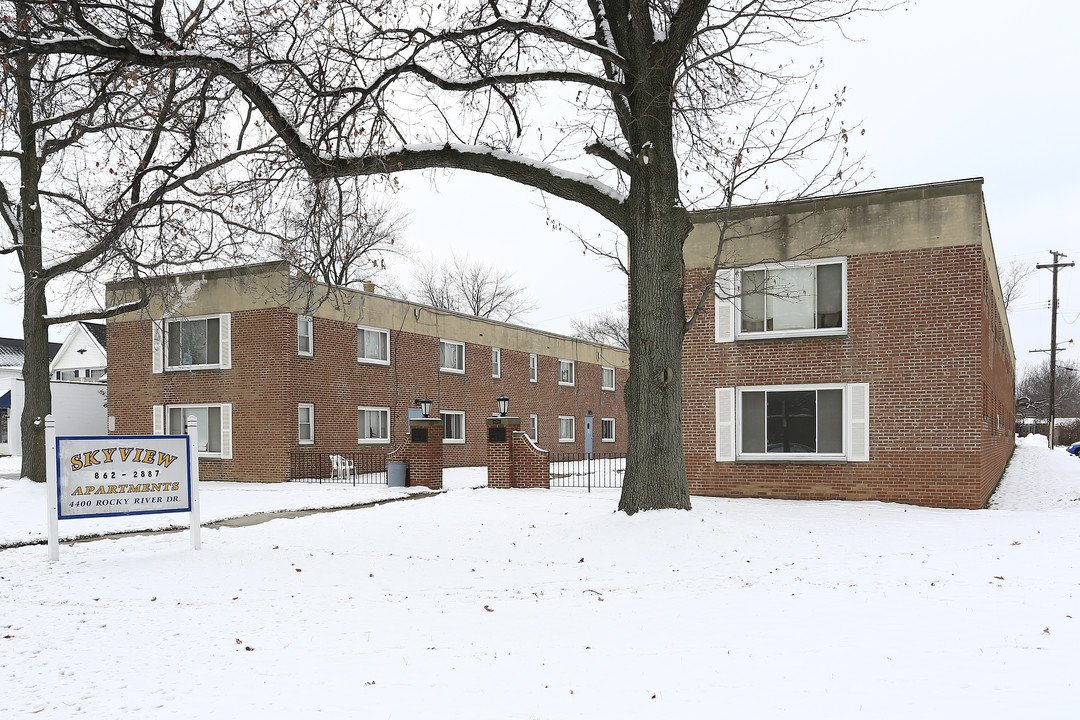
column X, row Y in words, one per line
column 268, row 372
column 858, row 348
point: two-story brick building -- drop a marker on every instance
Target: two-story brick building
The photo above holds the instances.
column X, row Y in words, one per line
column 857, row 348
column 267, row 371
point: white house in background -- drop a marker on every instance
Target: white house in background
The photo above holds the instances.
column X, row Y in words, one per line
column 11, row 365
column 83, row 355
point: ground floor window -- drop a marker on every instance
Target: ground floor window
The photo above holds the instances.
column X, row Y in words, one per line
column 793, row 422
column 534, row 428
column 453, row 426
column 215, row 426
column 305, row 424
column 373, row 425
column 566, row 429
column 607, row 430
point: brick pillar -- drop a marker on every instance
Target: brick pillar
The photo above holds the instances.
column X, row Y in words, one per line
column 531, row 468
column 500, row 457
column 423, row 452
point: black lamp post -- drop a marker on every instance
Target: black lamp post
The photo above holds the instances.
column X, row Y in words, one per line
column 504, row 404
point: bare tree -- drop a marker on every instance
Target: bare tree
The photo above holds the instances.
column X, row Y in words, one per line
column 608, row 328
column 1014, row 279
column 649, row 110
column 472, row 287
column 1033, row 391
column 335, row 236
column 107, row 169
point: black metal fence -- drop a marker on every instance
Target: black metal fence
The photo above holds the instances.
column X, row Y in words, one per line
column 587, row 470
column 356, row 468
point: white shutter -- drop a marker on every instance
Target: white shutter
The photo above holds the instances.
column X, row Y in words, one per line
column 159, row 419
column 226, row 431
column 225, row 338
column 859, row 422
column 158, row 346
column 725, row 424
column 725, row 305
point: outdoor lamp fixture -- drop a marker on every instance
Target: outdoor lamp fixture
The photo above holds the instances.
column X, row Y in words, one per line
column 424, row 405
column 504, row 404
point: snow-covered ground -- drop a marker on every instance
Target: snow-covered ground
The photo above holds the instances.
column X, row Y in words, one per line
column 481, row 603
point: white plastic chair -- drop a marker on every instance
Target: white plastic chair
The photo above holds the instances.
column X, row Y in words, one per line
column 341, row 468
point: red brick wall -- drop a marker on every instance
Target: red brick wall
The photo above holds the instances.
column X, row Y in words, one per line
column 268, row 379
column 918, row 328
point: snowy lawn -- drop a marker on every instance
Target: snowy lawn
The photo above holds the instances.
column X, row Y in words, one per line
column 479, row 603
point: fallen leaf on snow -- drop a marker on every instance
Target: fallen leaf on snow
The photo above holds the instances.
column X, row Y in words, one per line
column 489, row 609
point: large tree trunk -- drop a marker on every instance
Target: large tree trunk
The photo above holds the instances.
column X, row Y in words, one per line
column 655, row 470
column 38, row 399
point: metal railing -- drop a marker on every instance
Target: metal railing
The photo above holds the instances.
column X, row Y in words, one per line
column 356, row 468
column 586, row 470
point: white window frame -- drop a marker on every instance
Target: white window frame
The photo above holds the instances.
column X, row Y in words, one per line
column 573, row 373
column 603, row 423
column 453, row 440
column 300, row 408
column 534, row 428
column 369, row 440
column 301, row 335
column 854, row 431
column 573, row 429
column 162, row 426
column 604, row 371
column 161, row 330
column 496, row 362
column 361, row 330
column 448, row 369
column 534, row 365
column 729, row 302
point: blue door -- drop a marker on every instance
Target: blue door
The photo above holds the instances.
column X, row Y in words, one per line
column 588, row 435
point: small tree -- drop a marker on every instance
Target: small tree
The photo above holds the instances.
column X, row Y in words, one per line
column 1013, row 279
column 1033, row 391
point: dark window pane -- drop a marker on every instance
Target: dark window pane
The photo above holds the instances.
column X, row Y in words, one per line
column 791, row 422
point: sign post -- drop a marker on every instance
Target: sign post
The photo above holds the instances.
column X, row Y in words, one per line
column 115, row 475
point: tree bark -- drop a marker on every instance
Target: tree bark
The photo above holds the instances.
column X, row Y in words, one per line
column 658, row 226
column 37, row 402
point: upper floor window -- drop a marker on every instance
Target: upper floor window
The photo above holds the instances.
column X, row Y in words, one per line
column 451, row 356
column 532, row 368
column 372, row 345
column 304, row 344
column 789, row 300
column 566, row 372
column 607, row 378
column 792, row 298
column 496, row 362
column 199, row 342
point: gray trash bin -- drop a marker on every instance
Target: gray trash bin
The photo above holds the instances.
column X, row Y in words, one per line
column 397, row 474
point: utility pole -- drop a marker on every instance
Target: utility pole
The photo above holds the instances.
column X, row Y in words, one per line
column 1053, row 267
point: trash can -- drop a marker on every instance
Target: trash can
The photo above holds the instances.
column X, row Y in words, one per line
column 397, row 474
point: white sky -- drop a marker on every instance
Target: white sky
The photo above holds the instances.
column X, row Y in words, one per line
column 947, row 89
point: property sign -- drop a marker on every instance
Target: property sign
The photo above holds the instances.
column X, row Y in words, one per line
column 122, row 475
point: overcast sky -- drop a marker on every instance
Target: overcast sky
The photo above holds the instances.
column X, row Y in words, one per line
column 946, row 89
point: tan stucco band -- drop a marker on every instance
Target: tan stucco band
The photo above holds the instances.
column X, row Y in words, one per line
column 267, row 285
